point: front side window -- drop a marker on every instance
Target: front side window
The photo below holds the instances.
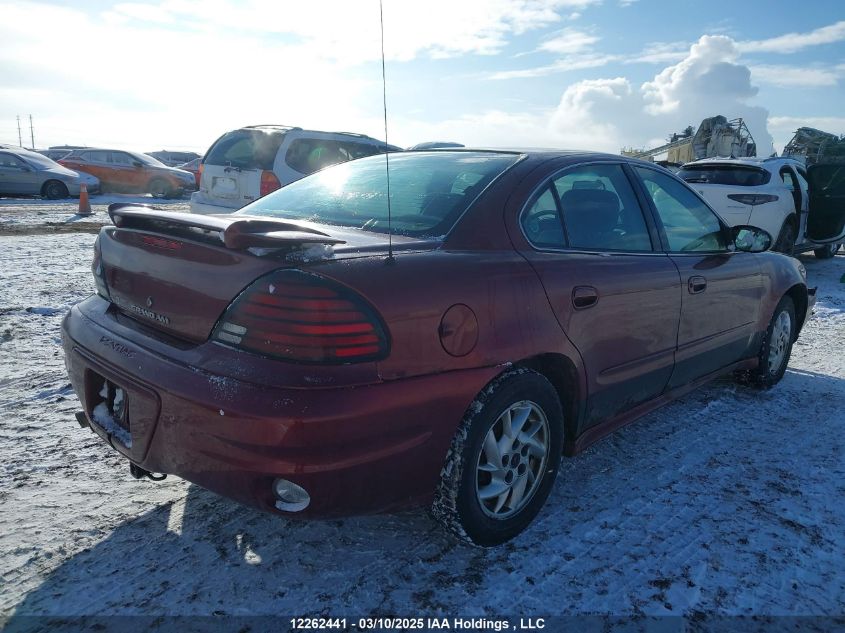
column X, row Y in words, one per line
column 690, row 225
column 600, row 210
column 428, row 192
column 119, row 158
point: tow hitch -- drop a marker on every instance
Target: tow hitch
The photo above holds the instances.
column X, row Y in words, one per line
column 139, row 473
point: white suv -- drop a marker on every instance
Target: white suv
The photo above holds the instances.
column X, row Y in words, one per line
column 799, row 208
column 250, row 162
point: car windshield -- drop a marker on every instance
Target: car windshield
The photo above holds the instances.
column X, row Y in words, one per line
column 246, row 149
column 38, row 160
column 428, row 192
column 736, row 175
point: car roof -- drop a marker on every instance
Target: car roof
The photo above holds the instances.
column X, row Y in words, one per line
column 750, row 161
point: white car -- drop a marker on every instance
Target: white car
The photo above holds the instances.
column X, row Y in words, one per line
column 780, row 195
column 250, row 162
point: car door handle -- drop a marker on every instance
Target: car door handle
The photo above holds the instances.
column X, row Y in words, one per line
column 584, row 297
column 696, row 284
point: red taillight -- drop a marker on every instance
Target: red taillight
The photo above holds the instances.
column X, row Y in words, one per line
column 269, row 182
column 302, row 317
column 752, row 198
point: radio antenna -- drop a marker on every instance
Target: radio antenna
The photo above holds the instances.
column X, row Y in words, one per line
column 386, row 150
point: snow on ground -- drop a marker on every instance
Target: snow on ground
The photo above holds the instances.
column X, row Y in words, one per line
column 728, row 501
column 34, row 215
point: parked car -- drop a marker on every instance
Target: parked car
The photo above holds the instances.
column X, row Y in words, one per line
column 173, row 159
column 245, row 164
column 322, row 353
column 195, row 167
column 773, row 193
column 130, row 172
column 55, row 154
column 24, row 172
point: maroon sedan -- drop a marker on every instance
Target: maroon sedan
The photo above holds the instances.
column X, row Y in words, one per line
column 331, row 350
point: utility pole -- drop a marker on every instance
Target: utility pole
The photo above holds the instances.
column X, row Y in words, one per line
column 20, row 140
column 31, row 133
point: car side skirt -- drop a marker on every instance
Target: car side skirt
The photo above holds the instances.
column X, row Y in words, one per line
column 595, row 433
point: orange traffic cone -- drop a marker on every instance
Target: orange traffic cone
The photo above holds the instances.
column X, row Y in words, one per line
column 84, row 205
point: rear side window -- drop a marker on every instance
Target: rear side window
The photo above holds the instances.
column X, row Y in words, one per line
column 246, row 149
column 734, row 175
column 307, row 155
column 600, row 210
column 690, row 225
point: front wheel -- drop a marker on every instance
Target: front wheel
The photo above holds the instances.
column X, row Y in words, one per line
column 503, row 460
column 827, row 251
column 160, row 188
column 54, row 190
column 775, row 349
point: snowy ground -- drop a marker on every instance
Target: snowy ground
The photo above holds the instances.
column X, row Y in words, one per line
column 727, row 501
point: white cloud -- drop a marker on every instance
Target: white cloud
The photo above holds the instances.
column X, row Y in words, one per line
column 803, row 76
column 792, row 42
column 568, row 41
column 566, row 64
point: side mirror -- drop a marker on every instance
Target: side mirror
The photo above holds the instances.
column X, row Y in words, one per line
column 751, row 239
column 137, row 163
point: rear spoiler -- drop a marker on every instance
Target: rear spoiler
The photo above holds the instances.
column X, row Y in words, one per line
column 236, row 232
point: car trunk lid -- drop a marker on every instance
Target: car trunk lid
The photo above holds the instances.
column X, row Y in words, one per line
column 178, row 272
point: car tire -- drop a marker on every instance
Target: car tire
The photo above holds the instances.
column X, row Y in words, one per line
column 54, row 190
column 786, row 240
column 775, row 349
column 467, row 501
column 826, row 252
column 160, row 188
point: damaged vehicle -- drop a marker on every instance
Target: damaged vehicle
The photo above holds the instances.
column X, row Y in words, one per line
column 800, row 206
column 332, row 349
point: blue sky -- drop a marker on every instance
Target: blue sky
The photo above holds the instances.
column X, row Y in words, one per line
column 590, row 74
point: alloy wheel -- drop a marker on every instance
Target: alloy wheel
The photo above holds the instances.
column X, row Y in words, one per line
column 512, row 460
column 781, row 335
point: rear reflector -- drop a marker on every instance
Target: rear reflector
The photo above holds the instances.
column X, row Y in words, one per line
column 752, row 198
column 303, row 317
column 269, row 182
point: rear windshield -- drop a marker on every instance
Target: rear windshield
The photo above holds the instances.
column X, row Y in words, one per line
column 246, row 149
column 737, row 175
column 428, row 192
column 307, row 155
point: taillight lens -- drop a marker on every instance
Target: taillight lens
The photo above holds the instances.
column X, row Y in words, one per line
column 752, row 198
column 303, row 317
column 99, row 271
column 269, row 182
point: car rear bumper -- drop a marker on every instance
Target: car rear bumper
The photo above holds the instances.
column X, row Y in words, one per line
column 354, row 449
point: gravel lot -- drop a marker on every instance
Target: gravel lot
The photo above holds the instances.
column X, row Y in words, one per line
column 728, row 501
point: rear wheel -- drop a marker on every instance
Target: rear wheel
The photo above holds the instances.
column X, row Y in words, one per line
column 54, row 190
column 775, row 349
column 826, row 252
column 786, row 240
column 160, row 188
column 503, row 460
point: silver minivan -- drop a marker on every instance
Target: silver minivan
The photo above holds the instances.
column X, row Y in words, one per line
column 250, row 162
